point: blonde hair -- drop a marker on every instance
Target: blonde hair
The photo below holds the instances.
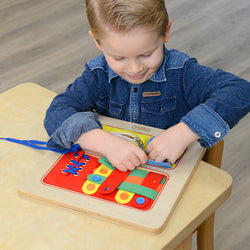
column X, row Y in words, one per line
column 124, row 15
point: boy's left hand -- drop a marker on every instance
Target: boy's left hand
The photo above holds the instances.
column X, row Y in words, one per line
column 171, row 144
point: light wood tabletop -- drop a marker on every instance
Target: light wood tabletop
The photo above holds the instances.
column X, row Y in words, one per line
column 36, row 225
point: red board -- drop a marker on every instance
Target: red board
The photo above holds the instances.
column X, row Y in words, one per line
column 89, row 174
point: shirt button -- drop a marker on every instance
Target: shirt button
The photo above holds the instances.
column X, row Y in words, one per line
column 217, row 134
column 135, row 90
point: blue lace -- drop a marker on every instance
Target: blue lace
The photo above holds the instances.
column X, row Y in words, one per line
column 75, row 148
column 71, row 169
column 76, row 167
column 39, row 145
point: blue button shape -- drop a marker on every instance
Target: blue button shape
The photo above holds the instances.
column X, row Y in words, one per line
column 96, row 178
column 140, row 200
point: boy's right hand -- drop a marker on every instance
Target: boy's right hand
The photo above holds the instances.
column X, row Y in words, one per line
column 122, row 154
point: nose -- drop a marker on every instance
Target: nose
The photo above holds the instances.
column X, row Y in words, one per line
column 134, row 67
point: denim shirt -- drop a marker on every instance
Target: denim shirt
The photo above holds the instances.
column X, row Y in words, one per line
column 208, row 101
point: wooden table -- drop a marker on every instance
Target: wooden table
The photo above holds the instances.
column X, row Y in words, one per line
column 34, row 225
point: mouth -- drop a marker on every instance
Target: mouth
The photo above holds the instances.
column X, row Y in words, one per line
column 137, row 77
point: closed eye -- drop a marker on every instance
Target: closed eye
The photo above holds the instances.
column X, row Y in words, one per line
column 118, row 58
column 147, row 55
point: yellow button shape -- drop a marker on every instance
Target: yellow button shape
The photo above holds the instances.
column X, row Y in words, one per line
column 90, row 187
column 124, row 197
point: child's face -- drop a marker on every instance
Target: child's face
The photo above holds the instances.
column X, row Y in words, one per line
column 135, row 55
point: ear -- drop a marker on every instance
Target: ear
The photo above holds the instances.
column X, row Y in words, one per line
column 96, row 42
column 167, row 33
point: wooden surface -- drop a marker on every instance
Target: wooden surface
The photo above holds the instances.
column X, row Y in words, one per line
column 47, row 42
column 34, row 225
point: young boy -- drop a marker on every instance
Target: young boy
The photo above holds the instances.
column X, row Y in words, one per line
column 137, row 79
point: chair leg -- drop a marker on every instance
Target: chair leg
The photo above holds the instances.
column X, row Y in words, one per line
column 186, row 244
column 214, row 155
column 205, row 234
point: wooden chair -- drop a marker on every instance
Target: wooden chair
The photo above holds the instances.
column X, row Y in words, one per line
column 205, row 232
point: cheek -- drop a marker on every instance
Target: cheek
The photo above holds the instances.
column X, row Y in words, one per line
column 155, row 61
column 114, row 65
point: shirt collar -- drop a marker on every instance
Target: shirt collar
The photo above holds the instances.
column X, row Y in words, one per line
column 158, row 76
column 111, row 75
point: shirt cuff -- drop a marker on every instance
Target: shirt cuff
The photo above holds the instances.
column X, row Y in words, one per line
column 207, row 124
column 71, row 129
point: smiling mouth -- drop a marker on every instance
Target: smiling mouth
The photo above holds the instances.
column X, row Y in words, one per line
column 135, row 77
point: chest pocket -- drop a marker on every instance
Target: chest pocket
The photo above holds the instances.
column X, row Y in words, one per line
column 158, row 107
column 106, row 107
column 158, row 114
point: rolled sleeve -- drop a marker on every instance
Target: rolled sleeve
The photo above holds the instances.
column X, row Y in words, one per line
column 71, row 129
column 207, row 124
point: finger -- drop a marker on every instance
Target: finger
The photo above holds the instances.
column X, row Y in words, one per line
column 149, row 145
column 160, row 158
column 172, row 160
column 122, row 168
column 119, row 166
column 141, row 157
column 135, row 161
column 153, row 155
column 149, row 148
column 131, row 166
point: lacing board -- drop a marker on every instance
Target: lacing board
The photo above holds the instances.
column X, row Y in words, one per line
column 143, row 198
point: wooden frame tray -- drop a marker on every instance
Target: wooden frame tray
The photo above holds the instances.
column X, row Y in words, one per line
column 152, row 220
